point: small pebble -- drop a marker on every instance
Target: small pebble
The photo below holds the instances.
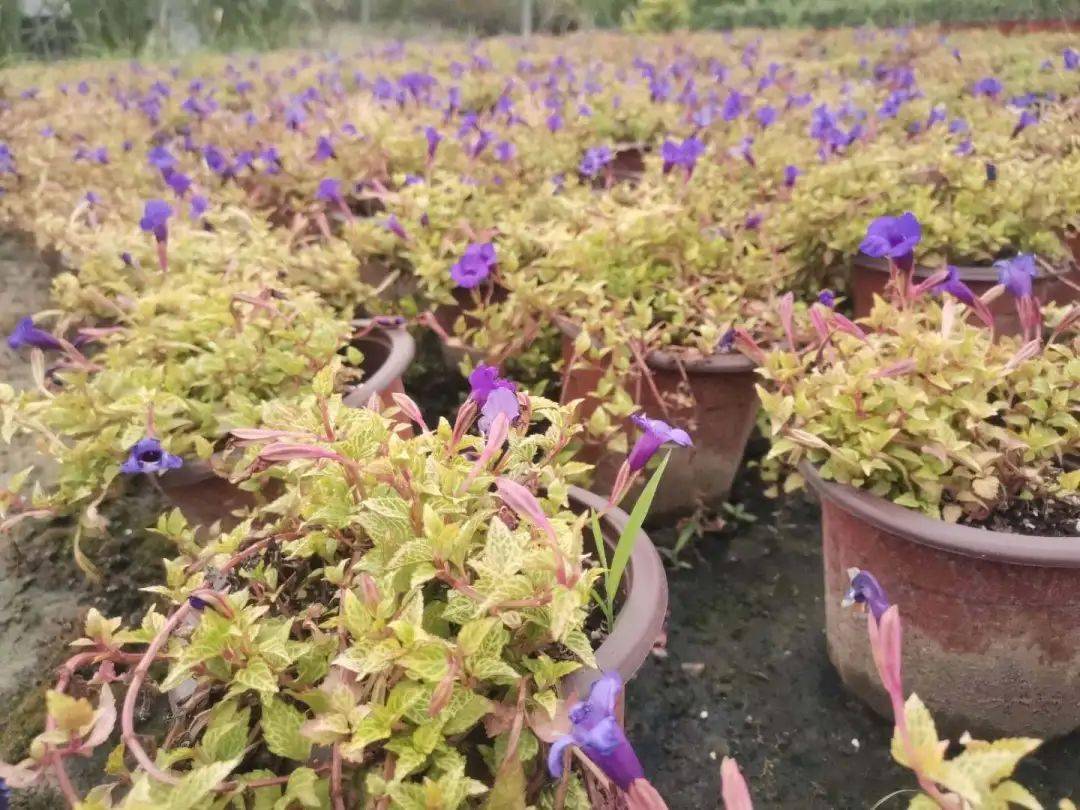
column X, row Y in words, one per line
column 712, row 756
column 704, row 714
column 855, row 743
column 693, row 667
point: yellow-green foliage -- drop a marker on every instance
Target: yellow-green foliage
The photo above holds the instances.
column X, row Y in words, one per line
column 393, row 607
column 928, row 411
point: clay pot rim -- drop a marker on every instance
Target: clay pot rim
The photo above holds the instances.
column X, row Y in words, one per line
column 640, row 620
column 661, row 360
column 1021, row 549
column 401, row 348
column 978, row 273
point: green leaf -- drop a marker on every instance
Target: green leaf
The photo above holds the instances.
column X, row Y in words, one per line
column 281, row 724
column 629, row 535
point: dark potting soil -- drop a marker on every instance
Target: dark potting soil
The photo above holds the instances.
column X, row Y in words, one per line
column 1057, row 517
column 746, row 674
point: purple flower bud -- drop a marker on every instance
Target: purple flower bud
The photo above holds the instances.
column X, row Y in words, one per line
column 894, row 238
column 433, row 138
column 216, row 160
column 656, row 434
column 1017, row 274
column 393, row 225
column 866, row 590
column 791, row 174
column 596, row 731
column 474, row 266
column 1027, row 118
column 766, row 116
column 554, row 122
column 26, row 334
column 1071, row 58
column 827, row 298
column 155, row 219
column 965, row 147
column 148, row 456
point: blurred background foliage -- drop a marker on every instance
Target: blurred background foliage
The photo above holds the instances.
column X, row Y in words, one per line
column 57, row 28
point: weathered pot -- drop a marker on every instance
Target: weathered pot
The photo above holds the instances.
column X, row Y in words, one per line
column 991, row 619
column 204, row 497
column 640, row 620
column 869, row 277
column 719, row 414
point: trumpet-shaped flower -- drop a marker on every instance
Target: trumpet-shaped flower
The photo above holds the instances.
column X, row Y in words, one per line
column 683, row 154
column 148, row 456
column 500, row 401
column 894, row 238
column 866, row 590
column 595, row 160
column 1017, row 274
column 474, row 266
column 656, row 434
column 26, row 334
column 155, row 219
column 596, row 731
column 484, row 381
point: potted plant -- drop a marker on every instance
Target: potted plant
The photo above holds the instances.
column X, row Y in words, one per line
column 397, row 627
column 142, row 373
column 940, row 457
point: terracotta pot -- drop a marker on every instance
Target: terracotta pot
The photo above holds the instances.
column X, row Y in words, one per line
column 204, row 497
column 869, row 277
column 719, row 414
column 640, row 620
column 991, row 619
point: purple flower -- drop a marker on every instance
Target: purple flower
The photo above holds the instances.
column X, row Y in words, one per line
column 329, row 190
column 554, row 122
column 1071, row 58
column 745, row 150
column 734, row 105
column 1017, row 273
column 596, row 731
column 657, row 434
column 894, row 238
column 433, row 137
column 990, row 86
column 683, row 154
column 866, row 590
column 957, row 126
column 199, row 205
column 791, row 174
column 92, row 198
column 505, row 151
column 216, row 160
column 766, row 116
column 178, row 182
column 595, row 160
column 324, row 150
column 955, row 287
column 161, row 158
column 501, row 400
column 827, row 298
column 148, row 456
column 965, row 147
column 155, row 219
column 1027, row 118
column 7, row 159
column 753, row 221
column 474, row 266
column 484, row 380
column 393, row 225
column 26, row 334
column 937, row 115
